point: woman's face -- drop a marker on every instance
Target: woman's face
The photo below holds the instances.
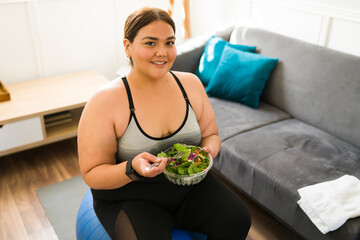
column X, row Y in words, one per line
column 153, row 50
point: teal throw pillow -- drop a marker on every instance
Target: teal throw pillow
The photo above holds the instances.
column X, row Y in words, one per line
column 241, row 76
column 211, row 57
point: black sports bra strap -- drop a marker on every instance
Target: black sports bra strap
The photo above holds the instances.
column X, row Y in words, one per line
column 131, row 104
column 181, row 88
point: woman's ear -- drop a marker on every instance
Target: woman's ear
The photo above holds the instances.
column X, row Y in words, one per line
column 127, row 44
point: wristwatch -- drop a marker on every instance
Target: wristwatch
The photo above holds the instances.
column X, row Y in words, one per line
column 130, row 172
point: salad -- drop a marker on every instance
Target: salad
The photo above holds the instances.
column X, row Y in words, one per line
column 185, row 159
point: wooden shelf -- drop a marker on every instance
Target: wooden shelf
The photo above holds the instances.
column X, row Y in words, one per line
column 55, row 102
column 66, row 128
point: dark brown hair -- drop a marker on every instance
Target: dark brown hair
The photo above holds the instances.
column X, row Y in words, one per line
column 142, row 17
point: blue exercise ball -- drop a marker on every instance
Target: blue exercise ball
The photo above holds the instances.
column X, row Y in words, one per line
column 88, row 226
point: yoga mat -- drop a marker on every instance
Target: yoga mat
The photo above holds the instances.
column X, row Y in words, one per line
column 61, row 202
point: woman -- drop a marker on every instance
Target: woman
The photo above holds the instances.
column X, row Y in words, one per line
column 130, row 120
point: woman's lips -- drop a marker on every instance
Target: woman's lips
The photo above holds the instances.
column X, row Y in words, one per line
column 159, row 62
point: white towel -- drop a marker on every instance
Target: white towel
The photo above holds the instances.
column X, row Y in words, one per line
column 330, row 204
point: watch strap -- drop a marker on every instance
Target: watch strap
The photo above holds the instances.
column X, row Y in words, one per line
column 130, row 172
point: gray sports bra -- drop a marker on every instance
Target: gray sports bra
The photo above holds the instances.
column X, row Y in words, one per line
column 135, row 140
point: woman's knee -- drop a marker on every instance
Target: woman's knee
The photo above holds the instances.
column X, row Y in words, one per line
column 236, row 219
column 238, row 224
column 145, row 219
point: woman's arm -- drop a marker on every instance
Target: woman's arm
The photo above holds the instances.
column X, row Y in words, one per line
column 97, row 143
column 210, row 140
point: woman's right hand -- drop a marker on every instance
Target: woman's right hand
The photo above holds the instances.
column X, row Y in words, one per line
column 142, row 161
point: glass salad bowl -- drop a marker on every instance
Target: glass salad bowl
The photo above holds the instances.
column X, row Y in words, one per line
column 187, row 164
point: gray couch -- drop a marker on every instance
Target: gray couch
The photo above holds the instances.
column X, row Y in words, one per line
column 305, row 131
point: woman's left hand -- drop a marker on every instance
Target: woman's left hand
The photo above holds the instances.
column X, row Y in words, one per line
column 207, row 150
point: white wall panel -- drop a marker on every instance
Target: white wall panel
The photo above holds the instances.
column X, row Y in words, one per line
column 17, row 55
column 78, row 35
column 46, row 38
column 290, row 22
column 335, row 4
column 344, row 36
column 206, row 15
column 333, row 25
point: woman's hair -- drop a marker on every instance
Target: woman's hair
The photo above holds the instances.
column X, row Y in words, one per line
column 142, row 17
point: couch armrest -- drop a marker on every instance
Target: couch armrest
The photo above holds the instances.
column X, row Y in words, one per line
column 189, row 52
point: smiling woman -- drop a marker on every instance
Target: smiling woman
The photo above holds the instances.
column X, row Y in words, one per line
column 133, row 118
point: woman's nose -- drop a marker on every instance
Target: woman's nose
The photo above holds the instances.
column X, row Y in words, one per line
column 161, row 51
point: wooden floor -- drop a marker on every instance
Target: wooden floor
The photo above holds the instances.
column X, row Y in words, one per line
column 23, row 218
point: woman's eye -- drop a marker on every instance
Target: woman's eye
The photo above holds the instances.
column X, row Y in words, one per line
column 150, row 43
column 170, row 43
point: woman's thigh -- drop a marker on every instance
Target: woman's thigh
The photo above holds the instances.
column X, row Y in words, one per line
column 137, row 220
column 212, row 208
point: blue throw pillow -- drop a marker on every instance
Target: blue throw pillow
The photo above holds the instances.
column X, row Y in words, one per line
column 241, row 76
column 211, row 57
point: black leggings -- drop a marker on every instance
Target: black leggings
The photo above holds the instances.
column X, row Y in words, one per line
column 208, row 207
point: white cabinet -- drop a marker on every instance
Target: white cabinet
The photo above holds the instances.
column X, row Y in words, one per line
column 20, row 133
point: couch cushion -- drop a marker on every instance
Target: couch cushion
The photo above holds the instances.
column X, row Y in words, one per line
column 317, row 85
column 234, row 118
column 272, row 162
column 210, row 58
column 241, row 76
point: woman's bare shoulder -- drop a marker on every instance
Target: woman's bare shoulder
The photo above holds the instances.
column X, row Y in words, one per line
column 189, row 78
column 195, row 91
column 108, row 107
column 109, row 102
column 111, row 93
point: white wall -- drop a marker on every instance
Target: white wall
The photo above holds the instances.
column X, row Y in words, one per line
column 330, row 23
column 40, row 38
column 209, row 14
